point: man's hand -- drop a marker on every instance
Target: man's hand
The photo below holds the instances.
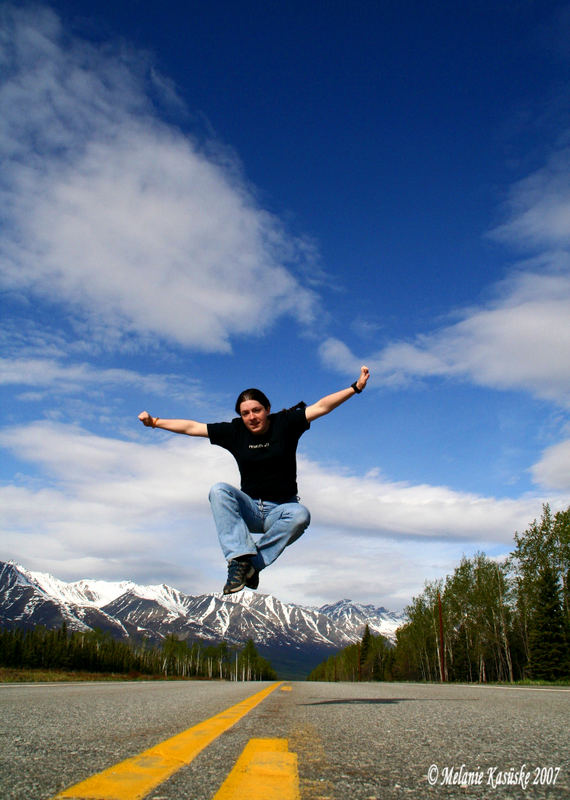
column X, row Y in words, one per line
column 363, row 378
column 146, row 419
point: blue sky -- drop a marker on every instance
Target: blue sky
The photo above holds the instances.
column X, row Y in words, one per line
column 197, row 198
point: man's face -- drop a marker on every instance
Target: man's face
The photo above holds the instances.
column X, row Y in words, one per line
column 255, row 416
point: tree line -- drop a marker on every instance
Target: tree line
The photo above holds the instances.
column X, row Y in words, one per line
column 371, row 659
column 98, row 652
column 488, row 621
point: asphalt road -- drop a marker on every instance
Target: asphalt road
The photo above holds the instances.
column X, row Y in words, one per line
column 355, row 741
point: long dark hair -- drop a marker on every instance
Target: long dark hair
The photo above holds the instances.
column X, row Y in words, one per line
column 252, row 394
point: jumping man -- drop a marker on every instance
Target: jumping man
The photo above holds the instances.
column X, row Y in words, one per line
column 264, row 446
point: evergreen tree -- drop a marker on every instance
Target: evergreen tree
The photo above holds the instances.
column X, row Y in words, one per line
column 547, row 640
column 372, row 659
column 364, row 651
column 545, row 542
column 95, row 651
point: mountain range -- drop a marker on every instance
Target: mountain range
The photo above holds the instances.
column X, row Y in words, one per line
column 294, row 638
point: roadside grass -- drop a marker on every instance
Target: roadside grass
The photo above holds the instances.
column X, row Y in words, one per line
column 529, row 682
column 12, row 675
column 522, row 682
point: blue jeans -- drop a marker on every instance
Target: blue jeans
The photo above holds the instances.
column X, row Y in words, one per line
column 237, row 516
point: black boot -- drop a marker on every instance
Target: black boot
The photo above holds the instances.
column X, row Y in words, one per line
column 239, row 572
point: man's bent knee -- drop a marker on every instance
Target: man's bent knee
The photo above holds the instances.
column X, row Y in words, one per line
column 220, row 489
column 302, row 517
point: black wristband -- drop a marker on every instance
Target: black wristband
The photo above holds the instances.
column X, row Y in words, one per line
column 355, row 387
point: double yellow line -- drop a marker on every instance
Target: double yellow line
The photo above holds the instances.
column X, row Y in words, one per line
column 265, row 765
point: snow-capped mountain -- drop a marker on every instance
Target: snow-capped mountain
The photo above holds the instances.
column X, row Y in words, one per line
column 34, row 598
column 353, row 617
column 84, row 592
column 286, row 633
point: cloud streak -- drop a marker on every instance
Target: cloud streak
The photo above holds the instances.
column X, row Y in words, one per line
column 179, row 472
column 374, row 506
column 538, row 207
column 62, row 378
column 521, row 341
column 552, row 471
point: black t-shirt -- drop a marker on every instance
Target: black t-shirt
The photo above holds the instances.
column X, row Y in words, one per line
column 267, row 463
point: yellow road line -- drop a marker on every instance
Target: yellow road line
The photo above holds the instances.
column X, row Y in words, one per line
column 265, row 770
column 133, row 778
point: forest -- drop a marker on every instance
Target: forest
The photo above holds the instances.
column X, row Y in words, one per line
column 488, row 621
column 97, row 652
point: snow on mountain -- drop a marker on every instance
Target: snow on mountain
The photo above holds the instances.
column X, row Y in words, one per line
column 353, row 617
column 36, row 598
column 264, row 618
column 84, row 592
column 98, row 593
column 93, row 592
column 171, row 599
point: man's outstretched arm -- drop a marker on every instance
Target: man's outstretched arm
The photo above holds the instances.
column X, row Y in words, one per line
column 327, row 404
column 188, row 426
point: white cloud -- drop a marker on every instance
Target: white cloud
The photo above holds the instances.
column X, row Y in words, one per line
column 111, row 508
column 374, row 506
column 138, row 476
column 178, row 471
column 539, row 207
column 520, row 341
column 64, row 378
column 553, row 469
column 119, row 216
column 330, row 564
